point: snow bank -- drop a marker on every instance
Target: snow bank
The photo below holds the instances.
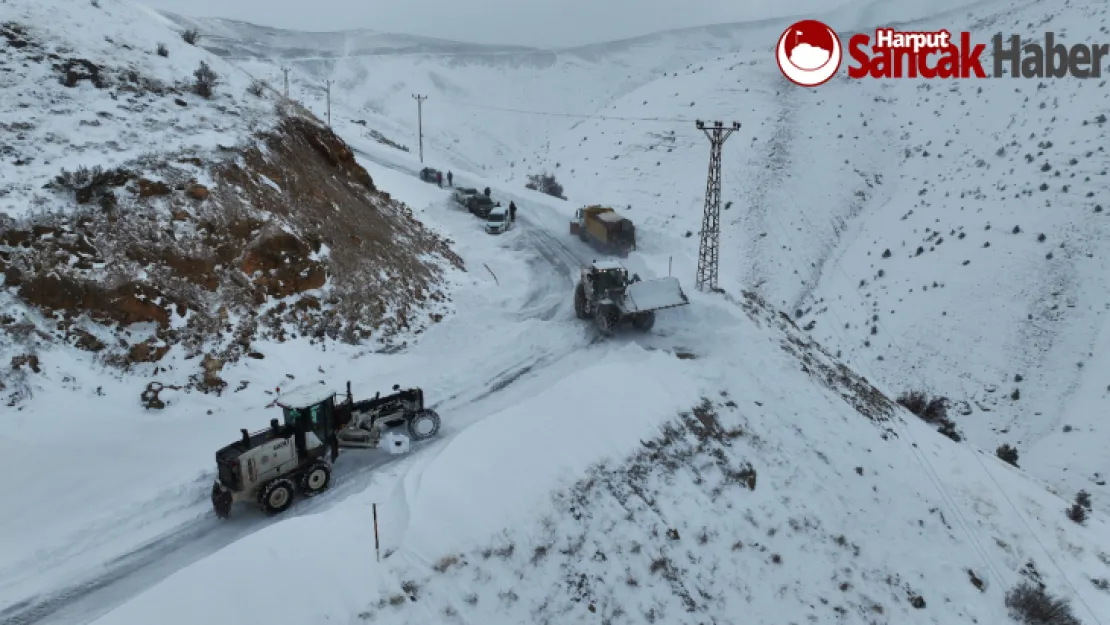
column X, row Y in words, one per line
column 499, row 472
column 303, row 570
column 495, row 474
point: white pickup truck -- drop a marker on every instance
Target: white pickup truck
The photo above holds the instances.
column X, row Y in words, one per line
column 463, row 194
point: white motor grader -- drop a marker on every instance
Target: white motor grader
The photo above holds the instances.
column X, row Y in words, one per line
column 270, row 465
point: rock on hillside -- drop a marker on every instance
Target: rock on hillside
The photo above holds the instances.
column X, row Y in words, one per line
column 146, row 214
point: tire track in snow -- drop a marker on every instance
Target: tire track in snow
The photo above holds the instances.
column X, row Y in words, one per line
column 135, row 571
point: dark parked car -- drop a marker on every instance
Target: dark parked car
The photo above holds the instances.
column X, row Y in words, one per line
column 428, row 174
column 481, row 205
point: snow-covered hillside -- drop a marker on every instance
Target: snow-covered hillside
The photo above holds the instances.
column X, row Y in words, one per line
column 157, row 204
column 944, row 236
column 819, row 186
column 720, row 466
column 726, row 466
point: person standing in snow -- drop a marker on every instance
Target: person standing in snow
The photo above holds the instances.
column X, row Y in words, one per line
column 439, row 179
column 450, row 179
column 512, row 211
column 486, row 192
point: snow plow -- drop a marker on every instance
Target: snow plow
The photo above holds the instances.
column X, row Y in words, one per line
column 604, row 229
column 271, row 465
column 606, row 294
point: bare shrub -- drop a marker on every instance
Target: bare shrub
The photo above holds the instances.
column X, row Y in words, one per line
column 445, row 563
column 257, row 88
column 190, row 36
column 545, row 183
column 163, row 50
column 933, row 411
column 1032, row 605
column 206, row 80
column 1007, row 454
column 1078, row 511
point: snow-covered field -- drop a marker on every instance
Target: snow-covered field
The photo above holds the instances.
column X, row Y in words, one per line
column 721, row 468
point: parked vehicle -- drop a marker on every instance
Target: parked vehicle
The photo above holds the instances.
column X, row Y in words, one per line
column 498, row 221
column 428, row 174
column 463, row 194
column 481, row 205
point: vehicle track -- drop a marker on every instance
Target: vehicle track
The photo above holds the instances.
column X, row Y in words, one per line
column 131, row 573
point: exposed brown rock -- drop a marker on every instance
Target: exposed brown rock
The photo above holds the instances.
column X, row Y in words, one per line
column 86, row 341
column 152, row 188
column 129, row 303
column 147, row 352
column 29, row 360
column 233, row 251
column 198, row 192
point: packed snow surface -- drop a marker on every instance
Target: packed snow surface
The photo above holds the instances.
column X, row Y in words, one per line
column 654, row 294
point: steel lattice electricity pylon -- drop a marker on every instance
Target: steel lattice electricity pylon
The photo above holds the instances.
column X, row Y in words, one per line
column 708, row 251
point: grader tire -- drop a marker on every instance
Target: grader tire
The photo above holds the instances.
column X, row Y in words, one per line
column 581, row 307
column 423, row 425
column 316, row 479
column 276, row 497
column 607, row 319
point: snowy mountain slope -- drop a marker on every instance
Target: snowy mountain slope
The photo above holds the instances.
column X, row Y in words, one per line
column 895, row 523
column 473, row 117
column 710, row 518
column 887, row 516
column 820, row 184
column 151, row 217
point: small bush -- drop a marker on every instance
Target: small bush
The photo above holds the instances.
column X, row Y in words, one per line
column 257, row 89
column 1007, row 454
column 1083, row 498
column 933, row 411
column 190, row 36
column 163, row 50
column 1030, row 604
column 1078, row 511
column 445, row 563
column 206, row 80
column 74, row 180
column 545, row 183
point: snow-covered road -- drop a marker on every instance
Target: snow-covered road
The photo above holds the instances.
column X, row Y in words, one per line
column 105, row 563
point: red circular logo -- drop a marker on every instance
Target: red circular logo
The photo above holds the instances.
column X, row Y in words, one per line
column 809, row 53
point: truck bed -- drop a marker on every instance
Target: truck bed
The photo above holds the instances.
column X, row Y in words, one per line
column 654, row 295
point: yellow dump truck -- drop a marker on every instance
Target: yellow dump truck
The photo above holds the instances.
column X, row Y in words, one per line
column 605, row 229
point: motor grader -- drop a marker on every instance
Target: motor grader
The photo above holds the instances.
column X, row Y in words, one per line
column 271, row 465
column 606, row 294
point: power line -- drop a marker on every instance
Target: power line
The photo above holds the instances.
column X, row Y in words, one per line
column 667, row 120
column 709, row 248
column 420, row 121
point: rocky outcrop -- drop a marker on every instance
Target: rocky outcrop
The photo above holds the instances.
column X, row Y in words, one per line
column 285, row 237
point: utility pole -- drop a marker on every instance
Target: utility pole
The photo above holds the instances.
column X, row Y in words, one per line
column 708, row 250
column 285, row 70
column 420, row 121
column 329, row 102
